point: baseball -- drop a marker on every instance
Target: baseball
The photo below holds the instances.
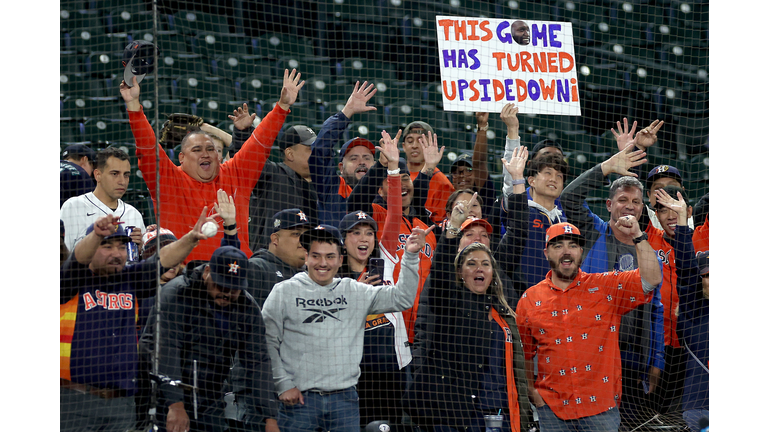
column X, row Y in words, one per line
column 209, row 229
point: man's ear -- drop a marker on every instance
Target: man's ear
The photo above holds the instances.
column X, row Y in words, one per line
column 274, row 239
column 288, row 154
column 341, row 166
column 206, row 272
column 530, row 179
column 380, row 192
column 608, row 204
column 96, row 174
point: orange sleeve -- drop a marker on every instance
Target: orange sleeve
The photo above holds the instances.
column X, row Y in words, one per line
column 392, row 223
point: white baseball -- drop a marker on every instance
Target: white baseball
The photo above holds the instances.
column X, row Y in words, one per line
column 209, row 229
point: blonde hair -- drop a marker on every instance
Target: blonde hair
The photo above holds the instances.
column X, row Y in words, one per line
column 496, row 288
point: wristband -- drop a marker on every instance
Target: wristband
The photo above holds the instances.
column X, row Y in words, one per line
column 453, row 230
column 517, row 182
column 640, row 238
column 230, row 227
column 484, row 128
column 395, row 171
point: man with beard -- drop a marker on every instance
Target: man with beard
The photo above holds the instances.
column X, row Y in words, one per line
column 207, row 320
column 333, row 189
column 571, row 320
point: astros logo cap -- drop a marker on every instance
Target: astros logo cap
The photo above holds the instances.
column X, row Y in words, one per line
column 558, row 231
column 229, row 268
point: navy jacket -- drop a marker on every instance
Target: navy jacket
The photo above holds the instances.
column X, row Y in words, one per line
column 331, row 206
column 692, row 321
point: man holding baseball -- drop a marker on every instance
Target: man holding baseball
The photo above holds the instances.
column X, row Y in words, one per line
column 98, row 297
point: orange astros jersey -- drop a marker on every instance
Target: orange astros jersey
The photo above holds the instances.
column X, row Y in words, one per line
column 392, row 259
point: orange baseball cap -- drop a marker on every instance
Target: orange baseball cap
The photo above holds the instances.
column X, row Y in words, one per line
column 478, row 221
column 565, row 229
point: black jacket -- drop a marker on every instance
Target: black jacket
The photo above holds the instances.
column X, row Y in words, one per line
column 191, row 328
column 452, row 341
column 266, row 269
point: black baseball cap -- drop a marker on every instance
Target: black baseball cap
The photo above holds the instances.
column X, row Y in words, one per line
column 289, row 218
column 351, row 220
column 463, row 158
column 544, row 144
column 119, row 233
column 229, row 268
column 78, row 151
column 298, row 134
column 138, row 60
column 321, row 232
column 663, row 171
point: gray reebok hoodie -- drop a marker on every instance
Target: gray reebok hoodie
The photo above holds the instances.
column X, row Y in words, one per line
column 315, row 333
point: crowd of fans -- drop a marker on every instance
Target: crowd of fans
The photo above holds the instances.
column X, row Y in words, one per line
column 358, row 287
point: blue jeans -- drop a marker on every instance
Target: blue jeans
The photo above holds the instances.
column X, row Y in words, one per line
column 337, row 412
column 607, row 421
column 82, row 412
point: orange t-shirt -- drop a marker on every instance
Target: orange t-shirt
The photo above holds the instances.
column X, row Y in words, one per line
column 182, row 198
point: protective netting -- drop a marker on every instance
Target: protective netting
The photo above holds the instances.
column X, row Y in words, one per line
column 222, row 129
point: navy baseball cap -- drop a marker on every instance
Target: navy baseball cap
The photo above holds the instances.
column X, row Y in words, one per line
column 544, row 144
column 663, row 171
column 351, row 220
column 321, row 232
column 119, row 233
column 138, row 60
column 79, row 150
column 289, row 218
column 463, row 158
column 703, row 262
column 355, row 142
column 298, row 134
column 229, row 268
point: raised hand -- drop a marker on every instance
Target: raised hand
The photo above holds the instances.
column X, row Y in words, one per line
column 106, row 226
column 358, row 99
column 291, row 85
column 629, row 226
column 388, row 150
column 676, row 205
column 509, row 117
column 482, row 118
column 197, row 234
column 460, row 211
column 647, row 136
column 515, row 166
column 623, row 161
column 225, row 207
column 131, row 95
column 431, row 151
column 624, row 136
column 241, row 118
column 417, row 239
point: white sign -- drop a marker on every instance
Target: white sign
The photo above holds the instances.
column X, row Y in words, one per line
column 488, row 63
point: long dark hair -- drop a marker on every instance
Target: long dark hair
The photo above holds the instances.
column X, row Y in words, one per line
column 496, row 288
column 344, row 270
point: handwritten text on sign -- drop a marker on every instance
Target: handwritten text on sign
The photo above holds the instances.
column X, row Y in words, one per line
column 487, row 63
